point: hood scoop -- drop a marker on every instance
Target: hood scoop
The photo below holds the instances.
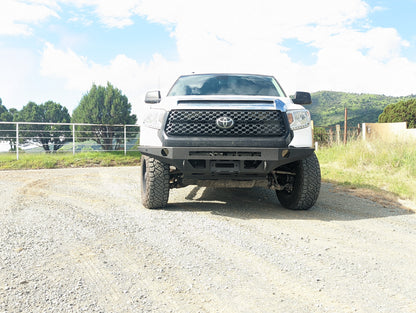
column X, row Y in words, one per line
column 232, row 104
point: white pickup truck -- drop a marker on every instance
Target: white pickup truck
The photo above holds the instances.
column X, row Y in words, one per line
column 228, row 130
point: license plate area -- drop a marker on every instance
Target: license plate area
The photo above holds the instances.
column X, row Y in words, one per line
column 225, row 166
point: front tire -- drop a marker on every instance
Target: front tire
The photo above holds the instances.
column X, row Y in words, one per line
column 306, row 185
column 154, row 181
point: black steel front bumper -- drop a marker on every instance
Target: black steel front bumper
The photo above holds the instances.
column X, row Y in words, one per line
column 209, row 162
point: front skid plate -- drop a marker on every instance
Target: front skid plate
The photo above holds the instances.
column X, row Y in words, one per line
column 181, row 157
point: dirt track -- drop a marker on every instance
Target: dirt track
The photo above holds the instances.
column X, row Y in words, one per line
column 77, row 240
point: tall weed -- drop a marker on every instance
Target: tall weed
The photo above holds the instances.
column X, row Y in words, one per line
column 375, row 164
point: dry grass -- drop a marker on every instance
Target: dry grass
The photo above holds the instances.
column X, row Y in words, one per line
column 376, row 165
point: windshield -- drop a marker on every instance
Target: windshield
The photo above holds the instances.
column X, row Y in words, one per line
column 220, row 84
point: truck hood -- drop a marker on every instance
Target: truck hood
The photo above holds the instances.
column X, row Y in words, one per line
column 232, row 102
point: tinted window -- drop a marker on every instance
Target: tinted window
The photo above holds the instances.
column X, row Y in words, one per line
column 210, row 84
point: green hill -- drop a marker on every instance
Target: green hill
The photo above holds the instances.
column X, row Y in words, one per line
column 327, row 107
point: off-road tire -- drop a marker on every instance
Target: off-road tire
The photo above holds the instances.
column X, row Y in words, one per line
column 154, row 182
column 306, row 186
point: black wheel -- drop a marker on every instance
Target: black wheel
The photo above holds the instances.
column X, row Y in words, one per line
column 306, row 184
column 154, row 181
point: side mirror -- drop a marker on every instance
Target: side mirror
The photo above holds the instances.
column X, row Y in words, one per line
column 302, row 98
column 153, row 97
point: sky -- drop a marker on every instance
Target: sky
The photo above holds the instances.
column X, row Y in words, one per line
column 56, row 49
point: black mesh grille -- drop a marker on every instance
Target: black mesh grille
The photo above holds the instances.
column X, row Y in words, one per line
column 246, row 123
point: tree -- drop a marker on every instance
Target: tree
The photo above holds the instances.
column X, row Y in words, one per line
column 51, row 137
column 105, row 106
column 402, row 111
column 3, row 111
column 7, row 131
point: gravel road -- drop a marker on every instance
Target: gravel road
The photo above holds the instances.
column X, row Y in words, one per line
column 77, row 240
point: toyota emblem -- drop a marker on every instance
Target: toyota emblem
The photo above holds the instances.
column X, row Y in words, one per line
column 225, row 122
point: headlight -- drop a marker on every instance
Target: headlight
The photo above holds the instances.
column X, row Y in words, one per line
column 154, row 119
column 299, row 119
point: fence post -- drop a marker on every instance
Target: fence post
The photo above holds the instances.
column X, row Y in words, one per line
column 331, row 136
column 125, row 140
column 364, row 131
column 345, row 126
column 17, row 141
column 313, row 132
column 73, row 139
column 338, row 133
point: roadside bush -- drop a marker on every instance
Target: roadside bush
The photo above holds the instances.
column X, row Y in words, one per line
column 320, row 135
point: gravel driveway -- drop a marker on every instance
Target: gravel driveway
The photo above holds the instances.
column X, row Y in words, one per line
column 77, row 240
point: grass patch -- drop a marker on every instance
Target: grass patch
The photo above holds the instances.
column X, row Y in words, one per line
column 377, row 165
column 62, row 160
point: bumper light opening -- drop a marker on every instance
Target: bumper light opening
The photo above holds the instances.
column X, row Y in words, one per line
column 285, row 153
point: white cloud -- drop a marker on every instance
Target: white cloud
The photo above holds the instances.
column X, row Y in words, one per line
column 116, row 13
column 78, row 73
column 111, row 13
column 17, row 16
column 65, row 65
column 385, row 43
column 240, row 36
column 22, row 83
column 237, row 20
column 19, row 71
column 361, row 61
